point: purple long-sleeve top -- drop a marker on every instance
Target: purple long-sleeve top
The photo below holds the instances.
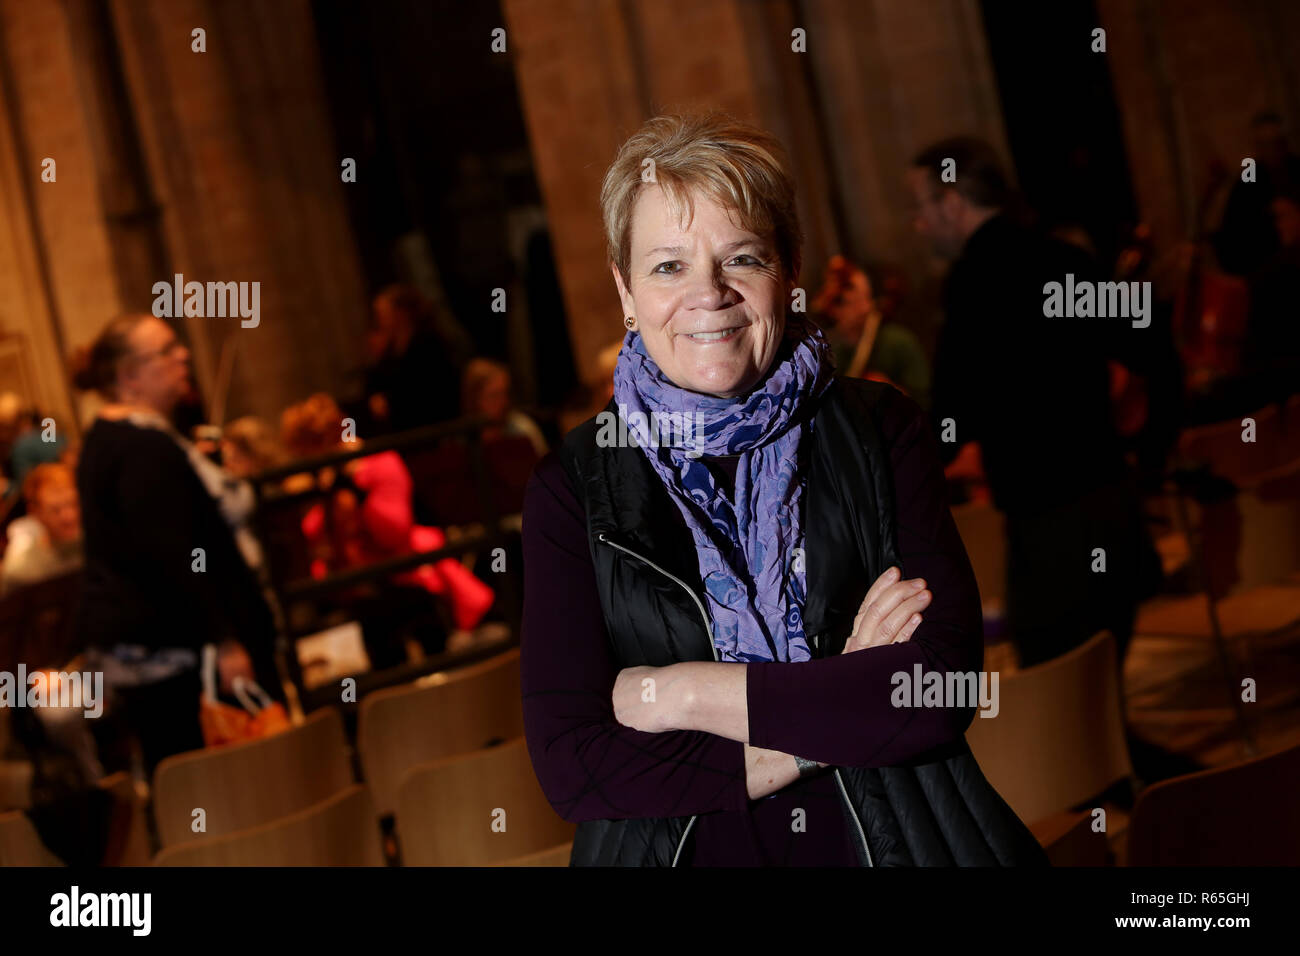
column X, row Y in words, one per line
column 835, row 710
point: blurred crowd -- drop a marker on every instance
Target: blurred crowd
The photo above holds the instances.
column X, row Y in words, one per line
column 153, row 522
column 142, row 539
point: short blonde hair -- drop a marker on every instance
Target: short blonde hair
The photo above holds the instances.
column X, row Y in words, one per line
column 741, row 167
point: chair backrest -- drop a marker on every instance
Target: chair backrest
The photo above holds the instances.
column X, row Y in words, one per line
column 128, row 843
column 244, row 785
column 1058, row 737
column 447, row 713
column 1068, row 839
column 339, row 831
column 983, row 531
column 475, row 810
column 1241, row 815
column 20, row 845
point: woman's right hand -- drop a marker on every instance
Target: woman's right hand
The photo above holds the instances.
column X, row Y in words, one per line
column 890, row 612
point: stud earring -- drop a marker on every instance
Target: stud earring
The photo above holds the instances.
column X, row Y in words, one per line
column 629, row 321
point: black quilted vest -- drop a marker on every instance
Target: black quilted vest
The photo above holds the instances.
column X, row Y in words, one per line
column 935, row 811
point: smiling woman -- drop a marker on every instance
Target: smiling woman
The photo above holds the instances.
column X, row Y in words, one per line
column 712, row 621
column 705, row 274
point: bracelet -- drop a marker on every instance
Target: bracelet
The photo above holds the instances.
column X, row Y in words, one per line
column 806, row 767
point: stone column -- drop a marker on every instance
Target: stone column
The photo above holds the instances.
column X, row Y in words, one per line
column 239, row 148
column 878, row 81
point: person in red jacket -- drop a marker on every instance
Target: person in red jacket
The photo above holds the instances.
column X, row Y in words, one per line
column 368, row 518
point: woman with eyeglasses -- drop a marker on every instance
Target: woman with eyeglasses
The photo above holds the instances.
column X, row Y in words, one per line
column 171, row 564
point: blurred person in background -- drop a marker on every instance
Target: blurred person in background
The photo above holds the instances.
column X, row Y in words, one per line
column 416, row 356
column 486, row 392
column 864, row 340
column 368, row 518
column 26, row 441
column 1247, row 236
column 171, row 563
column 46, row 542
column 1049, row 447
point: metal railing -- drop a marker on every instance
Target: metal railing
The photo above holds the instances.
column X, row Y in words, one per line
column 496, row 530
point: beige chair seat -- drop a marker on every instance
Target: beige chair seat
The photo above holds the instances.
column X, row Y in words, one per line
column 244, row 785
column 441, row 715
column 476, row 810
column 339, row 831
column 1058, row 738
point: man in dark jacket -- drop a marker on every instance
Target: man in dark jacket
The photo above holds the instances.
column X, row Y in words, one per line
column 1247, row 236
column 1033, row 390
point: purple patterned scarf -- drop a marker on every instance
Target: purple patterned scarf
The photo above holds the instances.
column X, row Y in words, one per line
column 747, row 545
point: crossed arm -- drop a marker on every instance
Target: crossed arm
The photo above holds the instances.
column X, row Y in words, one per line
column 713, row 697
column 703, row 696
column 723, row 734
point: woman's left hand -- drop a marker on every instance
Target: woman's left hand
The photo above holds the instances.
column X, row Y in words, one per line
column 648, row 698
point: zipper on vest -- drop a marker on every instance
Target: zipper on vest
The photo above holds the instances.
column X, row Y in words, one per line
column 844, row 793
column 817, row 643
column 708, row 632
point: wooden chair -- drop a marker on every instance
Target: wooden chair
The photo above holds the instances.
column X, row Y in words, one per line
column 1240, row 815
column 128, row 842
column 338, row 831
column 244, row 785
column 1058, row 738
column 555, row 856
column 1069, row 839
column 20, row 845
column 983, row 531
column 447, row 713
column 476, row 810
